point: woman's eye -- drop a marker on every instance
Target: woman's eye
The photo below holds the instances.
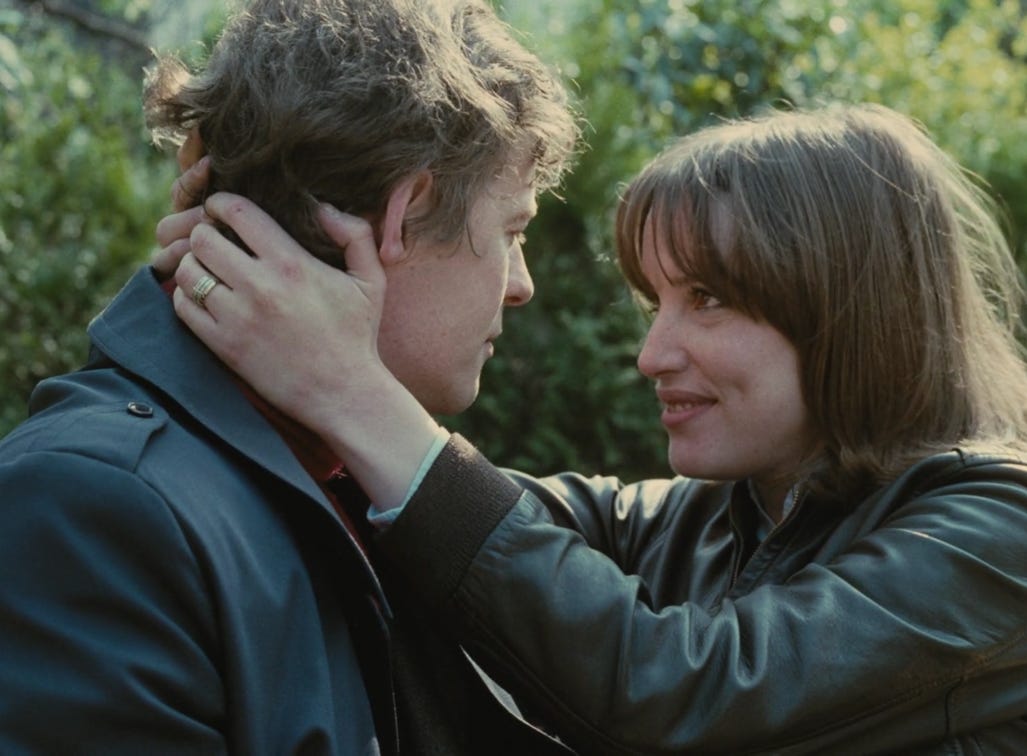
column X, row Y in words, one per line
column 703, row 299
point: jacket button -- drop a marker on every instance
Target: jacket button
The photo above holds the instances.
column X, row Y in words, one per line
column 139, row 409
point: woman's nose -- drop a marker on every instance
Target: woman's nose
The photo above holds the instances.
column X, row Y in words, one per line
column 663, row 349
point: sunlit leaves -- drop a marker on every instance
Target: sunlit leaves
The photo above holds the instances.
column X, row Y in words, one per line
column 79, row 196
column 564, row 392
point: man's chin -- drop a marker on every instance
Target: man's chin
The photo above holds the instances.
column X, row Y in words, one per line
column 454, row 401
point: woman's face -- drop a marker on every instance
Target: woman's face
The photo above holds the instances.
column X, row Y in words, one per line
column 729, row 385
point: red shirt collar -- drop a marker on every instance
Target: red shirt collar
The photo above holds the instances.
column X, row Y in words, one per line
column 316, row 457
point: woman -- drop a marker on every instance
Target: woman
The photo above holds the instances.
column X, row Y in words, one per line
column 841, row 565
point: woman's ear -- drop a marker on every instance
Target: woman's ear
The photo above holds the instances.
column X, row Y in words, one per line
column 410, row 197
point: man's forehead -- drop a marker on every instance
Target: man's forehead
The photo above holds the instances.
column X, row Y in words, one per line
column 513, row 190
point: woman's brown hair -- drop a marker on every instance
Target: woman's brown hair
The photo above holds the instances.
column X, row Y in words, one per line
column 881, row 260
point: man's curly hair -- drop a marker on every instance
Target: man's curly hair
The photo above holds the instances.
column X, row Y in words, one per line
column 308, row 101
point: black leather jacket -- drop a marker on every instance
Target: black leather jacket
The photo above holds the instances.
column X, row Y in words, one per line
column 898, row 625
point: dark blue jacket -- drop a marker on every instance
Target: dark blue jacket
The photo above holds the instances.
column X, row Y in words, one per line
column 172, row 581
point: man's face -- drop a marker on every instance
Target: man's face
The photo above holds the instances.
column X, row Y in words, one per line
column 444, row 301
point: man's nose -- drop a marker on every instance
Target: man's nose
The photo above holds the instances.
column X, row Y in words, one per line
column 519, row 286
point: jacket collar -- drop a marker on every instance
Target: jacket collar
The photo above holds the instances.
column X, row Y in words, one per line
column 140, row 331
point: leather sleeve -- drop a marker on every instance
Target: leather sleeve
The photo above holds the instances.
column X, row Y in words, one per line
column 107, row 641
column 914, row 633
column 620, row 520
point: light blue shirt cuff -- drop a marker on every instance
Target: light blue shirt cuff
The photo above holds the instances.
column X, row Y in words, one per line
column 381, row 520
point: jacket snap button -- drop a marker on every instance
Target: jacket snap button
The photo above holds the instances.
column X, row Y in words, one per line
column 139, row 409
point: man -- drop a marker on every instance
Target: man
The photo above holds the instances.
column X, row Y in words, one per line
column 181, row 569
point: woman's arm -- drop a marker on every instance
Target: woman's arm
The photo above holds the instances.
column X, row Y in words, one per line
column 911, row 634
column 282, row 304
column 586, row 505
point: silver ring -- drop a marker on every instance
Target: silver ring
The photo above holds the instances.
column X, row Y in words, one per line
column 202, row 289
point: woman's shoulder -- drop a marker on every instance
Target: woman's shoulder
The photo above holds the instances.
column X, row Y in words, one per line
column 642, row 496
column 988, row 477
column 974, row 460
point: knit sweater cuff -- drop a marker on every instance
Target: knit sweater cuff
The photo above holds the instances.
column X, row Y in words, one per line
column 461, row 500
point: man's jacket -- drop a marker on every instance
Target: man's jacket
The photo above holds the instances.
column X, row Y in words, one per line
column 894, row 624
column 173, row 582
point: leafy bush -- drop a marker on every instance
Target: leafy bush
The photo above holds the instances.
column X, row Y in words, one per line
column 80, row 193
column 958, row 67
column 563, row 394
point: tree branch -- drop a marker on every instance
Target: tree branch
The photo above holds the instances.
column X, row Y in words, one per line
column 96, row 23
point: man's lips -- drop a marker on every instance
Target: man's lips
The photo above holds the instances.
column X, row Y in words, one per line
column 490, row 345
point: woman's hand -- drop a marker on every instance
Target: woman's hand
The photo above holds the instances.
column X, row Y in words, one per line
column 304, row 336
column 173, row 230
column 298, row 330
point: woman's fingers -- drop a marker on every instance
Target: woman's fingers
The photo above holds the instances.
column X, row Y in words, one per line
column 173, row 232
column 187, row 194
column 190, row 187
column 257, row 230
column 210, row 297
column 166, row 260
column 274, row 259
column 179, row 225
column 209, row 308
column 281, row 305
column 223, row 257
column 272, row 268
column 356, row 238
column 284, row 266
column 211, row 319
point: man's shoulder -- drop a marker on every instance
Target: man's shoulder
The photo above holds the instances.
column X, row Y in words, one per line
column 100, row 440
column 103, row 418
column 99, row 414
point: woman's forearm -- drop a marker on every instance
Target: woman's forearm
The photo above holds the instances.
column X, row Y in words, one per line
column 382, row 434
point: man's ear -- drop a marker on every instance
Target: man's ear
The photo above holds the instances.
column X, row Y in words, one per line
column 409, row 198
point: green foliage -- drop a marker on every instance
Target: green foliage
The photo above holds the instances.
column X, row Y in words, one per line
column 564, row 393
column 80, row 193
column 958, row 67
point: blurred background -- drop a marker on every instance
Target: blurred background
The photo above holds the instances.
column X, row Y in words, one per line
column 81, row 189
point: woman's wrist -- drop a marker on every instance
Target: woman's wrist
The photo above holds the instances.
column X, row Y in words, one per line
column 381, row 433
